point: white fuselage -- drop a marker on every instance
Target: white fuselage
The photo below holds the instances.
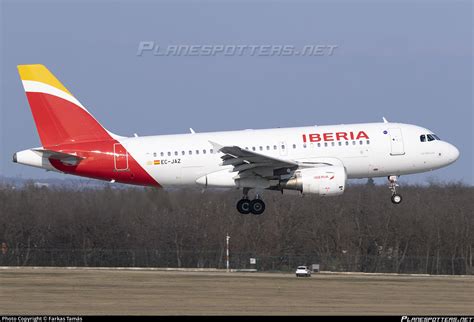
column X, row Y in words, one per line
column 382, row 149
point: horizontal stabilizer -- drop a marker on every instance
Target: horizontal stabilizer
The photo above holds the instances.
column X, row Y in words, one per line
column 67, row 158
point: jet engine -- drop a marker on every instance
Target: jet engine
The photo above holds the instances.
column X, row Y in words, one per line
column 324, row 181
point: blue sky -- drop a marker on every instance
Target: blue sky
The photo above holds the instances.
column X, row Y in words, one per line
column 410, row 61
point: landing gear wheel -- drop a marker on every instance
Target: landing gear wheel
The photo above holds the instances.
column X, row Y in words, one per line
column 243, row 206
column 396, row 198
column 257, row 206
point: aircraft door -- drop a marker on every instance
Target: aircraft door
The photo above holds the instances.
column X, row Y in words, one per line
column 120, row 158
column 396, row 142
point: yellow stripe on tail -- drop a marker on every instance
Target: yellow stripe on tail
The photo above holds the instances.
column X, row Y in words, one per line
column 39, row 73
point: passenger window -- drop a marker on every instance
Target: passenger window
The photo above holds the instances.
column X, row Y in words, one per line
column 274, row 147
column 294, row 146
column 422, row 138
column 162, row 154
column 253, row 148
column 319, row 145
column 183, row 152
column 368, row 141
column 430, row 138
column 347, row 142
column 340, row 143
column 169, row 154
column 204, row 151
column 197, row 151
column 211, row 151
column 325, row 144
column 268, row 147
column 282, row 147
column 361, row 142
column 261, row 148
column 353, row 142
column 154, row 154
column 175, row 152
column 332, row 143
column 304, row 145
column 190, row 152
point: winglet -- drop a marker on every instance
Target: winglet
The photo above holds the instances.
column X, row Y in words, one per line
column 192, row 131
column 384, row 120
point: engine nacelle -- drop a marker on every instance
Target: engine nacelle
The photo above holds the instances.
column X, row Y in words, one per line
column 324, row 181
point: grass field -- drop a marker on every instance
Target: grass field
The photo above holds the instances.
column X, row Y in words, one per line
column 65, row 291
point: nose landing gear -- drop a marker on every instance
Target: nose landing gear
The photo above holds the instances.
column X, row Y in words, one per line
column 396, row 198
column 246, row 206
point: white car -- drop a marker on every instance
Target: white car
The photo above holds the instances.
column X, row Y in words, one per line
column 303, row 271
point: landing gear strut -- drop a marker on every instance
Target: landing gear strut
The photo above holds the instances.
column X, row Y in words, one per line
column 396, row 198
column 246, row 206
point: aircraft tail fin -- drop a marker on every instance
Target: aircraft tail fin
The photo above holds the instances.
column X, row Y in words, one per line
column 59, row 117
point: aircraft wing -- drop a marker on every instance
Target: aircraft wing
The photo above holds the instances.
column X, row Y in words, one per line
column 252, row 164
column 240, row 158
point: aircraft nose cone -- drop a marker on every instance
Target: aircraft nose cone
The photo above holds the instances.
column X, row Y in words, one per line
column 452, row 153
column 455, row 153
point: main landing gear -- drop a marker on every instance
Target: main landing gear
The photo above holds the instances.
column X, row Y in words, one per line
column 396, row 198
column 246, row 206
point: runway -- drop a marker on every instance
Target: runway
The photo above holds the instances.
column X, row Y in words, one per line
column 58, row 291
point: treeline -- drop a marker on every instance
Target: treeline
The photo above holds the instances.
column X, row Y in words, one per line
column 430, row 232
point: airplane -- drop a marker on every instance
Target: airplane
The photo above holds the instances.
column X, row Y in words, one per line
column 312, row 159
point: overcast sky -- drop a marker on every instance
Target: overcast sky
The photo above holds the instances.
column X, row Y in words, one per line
column 408, row 61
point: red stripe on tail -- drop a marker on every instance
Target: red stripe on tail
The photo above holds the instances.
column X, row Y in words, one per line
column 66, row 127
column 60, row 122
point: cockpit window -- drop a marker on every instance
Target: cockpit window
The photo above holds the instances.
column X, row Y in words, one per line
column 429, row 137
